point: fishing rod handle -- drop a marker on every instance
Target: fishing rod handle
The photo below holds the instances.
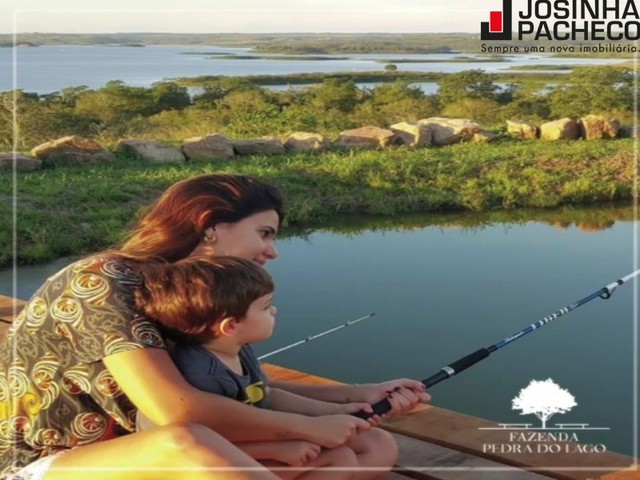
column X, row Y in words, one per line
column 379, row 408
column 456, row 367
column 435, row 379
column 465, row 362
column 383, row 406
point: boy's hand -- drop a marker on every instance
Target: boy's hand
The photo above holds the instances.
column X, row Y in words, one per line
column 403, row 394
column 351, row 408
column 331, row 431
column 296, row 453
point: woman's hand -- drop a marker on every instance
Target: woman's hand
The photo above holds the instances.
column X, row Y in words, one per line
column 403, row 395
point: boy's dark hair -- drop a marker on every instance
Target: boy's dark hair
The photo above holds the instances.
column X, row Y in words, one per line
column 188, row 297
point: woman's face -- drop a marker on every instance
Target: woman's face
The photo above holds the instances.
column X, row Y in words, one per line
column 251, row 238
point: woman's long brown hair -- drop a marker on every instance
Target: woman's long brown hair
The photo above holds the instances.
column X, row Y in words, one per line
column 176, row 222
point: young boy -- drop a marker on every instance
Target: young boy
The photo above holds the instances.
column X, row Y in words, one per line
column 214, row 309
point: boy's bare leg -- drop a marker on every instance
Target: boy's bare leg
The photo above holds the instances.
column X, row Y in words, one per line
column 188, row 451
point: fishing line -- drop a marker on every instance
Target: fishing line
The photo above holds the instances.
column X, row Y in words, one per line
column 317, row 335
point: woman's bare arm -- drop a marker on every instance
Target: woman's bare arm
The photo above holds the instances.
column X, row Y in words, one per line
column 154, row 384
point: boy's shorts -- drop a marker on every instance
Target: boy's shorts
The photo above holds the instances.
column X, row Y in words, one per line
column 35, row 470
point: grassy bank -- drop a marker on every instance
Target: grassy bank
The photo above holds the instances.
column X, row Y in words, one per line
column 72, row 210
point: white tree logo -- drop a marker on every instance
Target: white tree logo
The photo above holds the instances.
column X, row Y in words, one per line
column 543, row 398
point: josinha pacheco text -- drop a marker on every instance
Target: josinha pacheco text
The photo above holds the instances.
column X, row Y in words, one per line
column 599, row 20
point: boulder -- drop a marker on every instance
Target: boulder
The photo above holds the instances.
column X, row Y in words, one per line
column 209, row 147
column 447, row 131
column 593, row 127
column 630, row 131
column 72, row 150
column 151, row 151
column 306, row 142
column 483, row 136
column 563, row 129
column 412, row 134
column 24, row 163
column 522, row 130
column 259, row 146
column 366, row 137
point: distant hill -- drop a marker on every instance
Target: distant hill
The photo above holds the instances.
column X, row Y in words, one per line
column 292, row 43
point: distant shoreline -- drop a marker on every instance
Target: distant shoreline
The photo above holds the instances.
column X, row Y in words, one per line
column 287, row 43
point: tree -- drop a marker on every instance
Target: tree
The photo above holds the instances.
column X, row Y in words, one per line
column 170, row 96
column 466, row 84
column 335, row 93
column 482, row 110
column 598, row 89
column 116, row 102
column 394, row 102
column 543, row 398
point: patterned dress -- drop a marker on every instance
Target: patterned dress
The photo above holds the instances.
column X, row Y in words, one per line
column 55, row 391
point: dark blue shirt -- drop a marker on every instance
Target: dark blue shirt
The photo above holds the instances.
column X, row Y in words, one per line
column 202, row 369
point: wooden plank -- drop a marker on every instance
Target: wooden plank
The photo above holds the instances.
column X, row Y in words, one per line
column 461, row 432
column 10, row 307
column 422, row 460
column 282, row 374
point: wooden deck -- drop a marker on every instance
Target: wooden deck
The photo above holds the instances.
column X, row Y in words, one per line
column 440, row 444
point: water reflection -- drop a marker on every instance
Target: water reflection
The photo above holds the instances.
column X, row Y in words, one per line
column 443, row 285
column 587, row 219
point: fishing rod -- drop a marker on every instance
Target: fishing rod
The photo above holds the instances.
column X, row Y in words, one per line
column 383, row 406
column 317, row 335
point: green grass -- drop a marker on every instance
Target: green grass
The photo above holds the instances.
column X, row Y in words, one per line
column 74, row 210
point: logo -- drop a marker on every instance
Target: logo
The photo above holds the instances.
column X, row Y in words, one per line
column 555, row 20
column 499, row 25
column 543, row 399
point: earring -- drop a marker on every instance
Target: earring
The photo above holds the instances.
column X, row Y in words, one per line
column 210, row 238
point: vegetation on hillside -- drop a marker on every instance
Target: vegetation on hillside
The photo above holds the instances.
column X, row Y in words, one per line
column 239, row 108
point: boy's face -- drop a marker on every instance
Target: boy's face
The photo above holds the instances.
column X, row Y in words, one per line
column 257, row 325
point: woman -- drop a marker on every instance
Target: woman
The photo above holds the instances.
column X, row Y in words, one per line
column 78, row 363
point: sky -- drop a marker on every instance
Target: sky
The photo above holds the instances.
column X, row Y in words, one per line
column 244, row 16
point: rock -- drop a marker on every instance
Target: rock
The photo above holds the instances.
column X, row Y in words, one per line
column 563, row 129
column 259, row 146
column 630, row 131
column 306, row 142
column 522, row 130
column 72, row 150
column 447, row 131
column 483, row 136
column 209, row 147
column 366, row 137
column 596, row 126
column 24, row 163
column 412, row 134
column 151, row 151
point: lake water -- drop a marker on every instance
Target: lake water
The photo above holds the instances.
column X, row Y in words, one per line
column 53, row 67
column 441, row 291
